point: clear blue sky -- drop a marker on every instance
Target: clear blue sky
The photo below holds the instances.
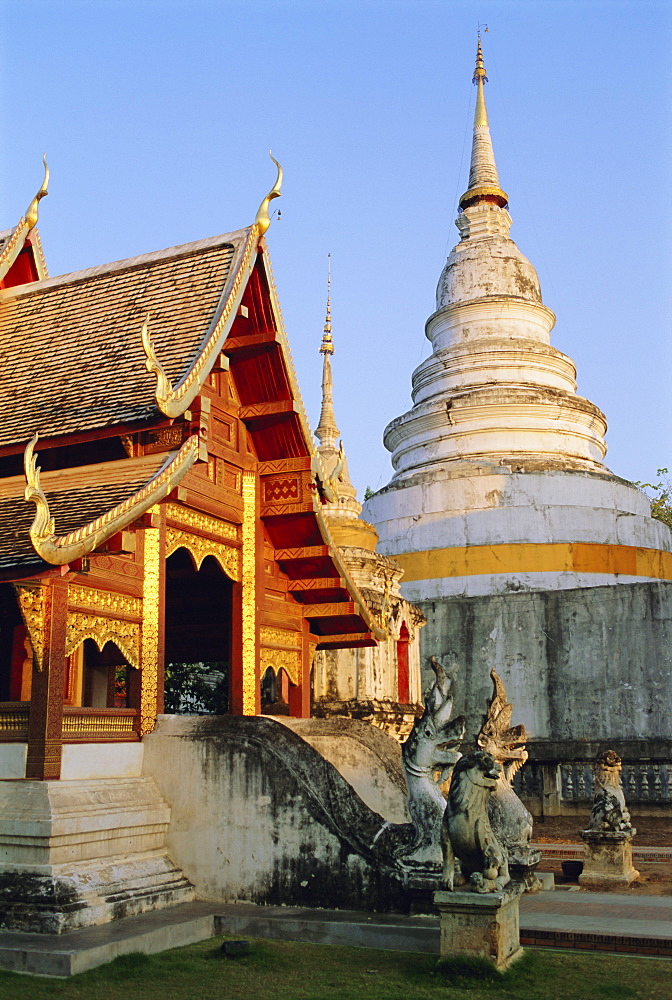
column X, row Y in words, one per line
column 157, row 118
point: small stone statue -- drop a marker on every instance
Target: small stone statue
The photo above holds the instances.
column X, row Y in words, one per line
column 466, row 832
column 510, row 820
column 607, row 857
column 609, row 813
column 429, row 755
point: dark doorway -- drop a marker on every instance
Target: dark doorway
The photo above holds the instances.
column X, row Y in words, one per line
column 15, row 658
column 198, row 635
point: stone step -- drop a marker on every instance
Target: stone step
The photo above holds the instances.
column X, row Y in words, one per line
column 88, row 893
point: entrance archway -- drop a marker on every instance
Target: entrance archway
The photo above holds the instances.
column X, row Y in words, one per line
column 197, row 635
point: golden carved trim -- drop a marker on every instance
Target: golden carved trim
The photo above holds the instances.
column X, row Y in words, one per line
column 249, row 596
column 151, row 598
column 288, row 660
column 78, row 725
column 279, row 637
column 31, row 604
column 199, row 547
column 125, row 635
column 202, row 522
column 62, row 549
column 14, row 722
column 174, row 401
column 105, row 601
column 14, row 244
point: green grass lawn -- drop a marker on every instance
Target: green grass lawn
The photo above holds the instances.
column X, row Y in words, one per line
column 279, row 970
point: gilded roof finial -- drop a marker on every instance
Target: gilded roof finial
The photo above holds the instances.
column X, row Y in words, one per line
column 263, row 220
column 31, row 211
column 327, row 345
column 483, row 176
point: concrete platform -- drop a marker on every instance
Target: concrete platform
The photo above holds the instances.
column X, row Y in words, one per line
column 67, row 954
column 640, row 925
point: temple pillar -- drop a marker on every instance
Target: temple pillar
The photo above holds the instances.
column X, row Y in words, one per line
column 153, row 623
column 45, row 737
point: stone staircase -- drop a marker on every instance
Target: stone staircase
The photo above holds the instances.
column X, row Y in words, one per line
column 84, row 852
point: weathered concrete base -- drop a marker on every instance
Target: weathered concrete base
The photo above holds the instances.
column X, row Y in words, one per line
column 80, row 853
column 480, row 925
column 607, row 859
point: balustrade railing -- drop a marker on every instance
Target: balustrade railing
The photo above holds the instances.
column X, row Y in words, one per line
column 90, row 725
column 14, row 721
column 644, row 782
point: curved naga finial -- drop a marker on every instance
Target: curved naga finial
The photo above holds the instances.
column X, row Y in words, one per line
column 43, row 526
column 263, row 220
column 31, row 211
column 61, row 549
column 164, row 389
column 14, row 245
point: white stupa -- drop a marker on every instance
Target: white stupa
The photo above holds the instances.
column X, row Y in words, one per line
column 500, row 483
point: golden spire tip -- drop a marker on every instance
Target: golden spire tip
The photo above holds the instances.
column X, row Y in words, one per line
column 327, row 345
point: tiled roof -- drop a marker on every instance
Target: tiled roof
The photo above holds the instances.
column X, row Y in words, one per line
column 70, row 347
column 76, row 497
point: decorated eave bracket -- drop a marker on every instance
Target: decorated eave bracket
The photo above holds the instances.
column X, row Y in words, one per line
column 16, row 241
column 58, row 550
column 173, row 401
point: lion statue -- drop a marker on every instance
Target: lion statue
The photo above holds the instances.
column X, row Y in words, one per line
column 466, row 832
column 609, row 813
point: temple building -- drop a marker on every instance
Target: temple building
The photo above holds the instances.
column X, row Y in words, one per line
column 161, row 504
column 521, row 547
column 379, row 684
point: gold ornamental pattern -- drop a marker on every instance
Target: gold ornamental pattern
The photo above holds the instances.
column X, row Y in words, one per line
column 269, row 636
column 285, row 659
column 249, row 597
column 150, row 630
column 198, row 521
column 31, row 603
column 199, row 547
column 81, row 725
column 104, row 601
column 125, row 635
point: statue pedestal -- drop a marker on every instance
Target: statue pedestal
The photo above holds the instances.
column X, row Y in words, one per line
column 480, row 925
column 607, row 859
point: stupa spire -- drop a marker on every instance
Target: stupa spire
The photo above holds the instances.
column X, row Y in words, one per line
column 327, row 430
column 483, row 176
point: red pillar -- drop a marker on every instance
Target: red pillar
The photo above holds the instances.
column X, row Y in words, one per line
column 45, row 726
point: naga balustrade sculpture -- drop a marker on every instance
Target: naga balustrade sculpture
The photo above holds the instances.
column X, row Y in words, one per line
column 510, row 820
column 429, row 755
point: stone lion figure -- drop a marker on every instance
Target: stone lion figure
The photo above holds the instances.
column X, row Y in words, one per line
column 609, row 813
column 466, row 832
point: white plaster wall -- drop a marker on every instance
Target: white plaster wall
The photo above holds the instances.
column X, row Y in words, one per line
column 13, row 760
column 101, row 760
column 555, row 506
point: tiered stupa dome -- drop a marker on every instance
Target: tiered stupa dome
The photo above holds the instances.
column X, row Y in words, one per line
column 499, row 478
column 494, row 390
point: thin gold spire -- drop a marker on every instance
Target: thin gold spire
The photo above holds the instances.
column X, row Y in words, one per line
column 483, row 176
column 327, row 345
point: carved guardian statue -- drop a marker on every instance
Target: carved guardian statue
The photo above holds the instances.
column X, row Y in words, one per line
column 466, row 832
column 609, row 813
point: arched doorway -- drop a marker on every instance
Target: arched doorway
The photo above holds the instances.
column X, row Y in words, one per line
column 197, row 635
column 100, row 678
column 403, row 679
column 275, row 692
